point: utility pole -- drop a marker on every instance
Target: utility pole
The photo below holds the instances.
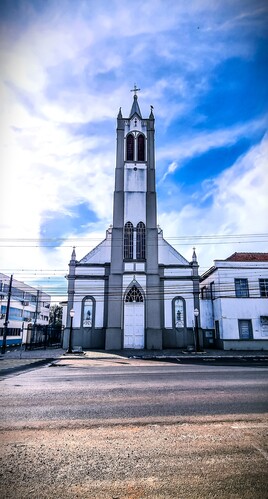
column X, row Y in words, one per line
column 4, row 342
column 36, row 308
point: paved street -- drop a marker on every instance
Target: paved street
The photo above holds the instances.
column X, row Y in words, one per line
column 133, row 428
column 132, row 390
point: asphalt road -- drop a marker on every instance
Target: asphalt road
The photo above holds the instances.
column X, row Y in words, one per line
column 132, row 429
column 131, row 391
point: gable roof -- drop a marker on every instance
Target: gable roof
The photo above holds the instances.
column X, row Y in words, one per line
column 248, row 257
column 169, row 255
column 236, row 257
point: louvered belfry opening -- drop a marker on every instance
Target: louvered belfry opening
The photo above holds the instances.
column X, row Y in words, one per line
column 128, row 241
column 130, row 147
column 141, row 148
column 140, row 243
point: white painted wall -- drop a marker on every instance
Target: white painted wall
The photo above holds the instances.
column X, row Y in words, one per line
column 207, row 314
column 135, row 207
column 90, row 271
column 135, row 179
column 84, row 288
column 178, row 288
column 135, row 125
column 242, row 308
column 128, row 278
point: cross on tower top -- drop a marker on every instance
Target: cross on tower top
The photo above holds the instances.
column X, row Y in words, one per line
column 135, row 89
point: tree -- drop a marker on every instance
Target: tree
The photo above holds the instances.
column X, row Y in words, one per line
column 55, row 315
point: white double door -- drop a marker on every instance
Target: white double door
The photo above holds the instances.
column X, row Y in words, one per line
column 134, row 325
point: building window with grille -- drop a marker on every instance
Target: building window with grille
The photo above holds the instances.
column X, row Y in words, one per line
column 264, row 325
column 263, row 287
column 241, row 288
column 128, row 241
column 140, row 241
column 130, row 147
column 141, row 148
column 134, row 295
column 245, row 329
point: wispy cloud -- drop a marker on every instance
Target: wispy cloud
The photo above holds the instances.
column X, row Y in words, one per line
column 202, row 141
column 235, row 202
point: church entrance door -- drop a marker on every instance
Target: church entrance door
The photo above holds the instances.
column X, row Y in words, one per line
column 134, row 325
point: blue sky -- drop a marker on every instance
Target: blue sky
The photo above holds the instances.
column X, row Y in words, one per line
column 67, row 67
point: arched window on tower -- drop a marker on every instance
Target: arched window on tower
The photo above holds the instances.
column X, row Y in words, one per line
column 134, row 295
column 130, row 147
column 141, row 148
column 128, row 241
column 140, row 241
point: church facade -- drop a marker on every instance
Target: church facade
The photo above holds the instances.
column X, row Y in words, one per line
column 133, row 290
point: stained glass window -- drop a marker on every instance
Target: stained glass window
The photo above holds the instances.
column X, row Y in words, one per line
column 134, row 295
column 179, row 312
column 87, row 313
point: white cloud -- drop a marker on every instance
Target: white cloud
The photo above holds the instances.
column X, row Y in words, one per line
column 238, row 206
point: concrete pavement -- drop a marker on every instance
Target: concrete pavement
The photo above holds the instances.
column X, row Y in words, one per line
column 15, row 360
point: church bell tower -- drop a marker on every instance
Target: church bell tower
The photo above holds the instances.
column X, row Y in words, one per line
column 133, row 315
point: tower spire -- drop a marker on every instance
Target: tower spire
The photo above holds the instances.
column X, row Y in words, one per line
column 135, row 106
column 194, row 257
column 73, row 257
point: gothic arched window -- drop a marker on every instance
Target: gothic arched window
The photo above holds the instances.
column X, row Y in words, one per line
column 179, row 312
column 88, row 311
column 130, row 147
column 128, row 241
column 134, row 295
column 141, row 148
column 140, row 242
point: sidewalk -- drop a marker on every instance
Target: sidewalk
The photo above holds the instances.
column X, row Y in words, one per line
column 176, row 353
column 20, row 359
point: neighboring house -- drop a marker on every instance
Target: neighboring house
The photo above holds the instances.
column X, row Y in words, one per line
column 28, row 305
column 134, row 290
column 234, row 302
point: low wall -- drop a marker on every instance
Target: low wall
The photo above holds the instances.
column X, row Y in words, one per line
column 245, row 345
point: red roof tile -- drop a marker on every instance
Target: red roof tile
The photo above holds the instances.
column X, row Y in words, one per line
column 248, row 257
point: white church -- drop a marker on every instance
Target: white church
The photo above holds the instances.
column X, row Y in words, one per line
column 133, row 290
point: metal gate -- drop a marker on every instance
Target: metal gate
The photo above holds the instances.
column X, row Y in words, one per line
column 44, row 336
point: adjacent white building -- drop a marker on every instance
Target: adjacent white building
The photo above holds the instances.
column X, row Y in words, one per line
column 234, row 302
column 28, row 305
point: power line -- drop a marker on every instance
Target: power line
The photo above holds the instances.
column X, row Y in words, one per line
column 216, row 239
column 206, row 236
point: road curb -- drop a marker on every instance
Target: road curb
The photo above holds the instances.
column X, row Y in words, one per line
column 195, row 359
column 24, row 367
